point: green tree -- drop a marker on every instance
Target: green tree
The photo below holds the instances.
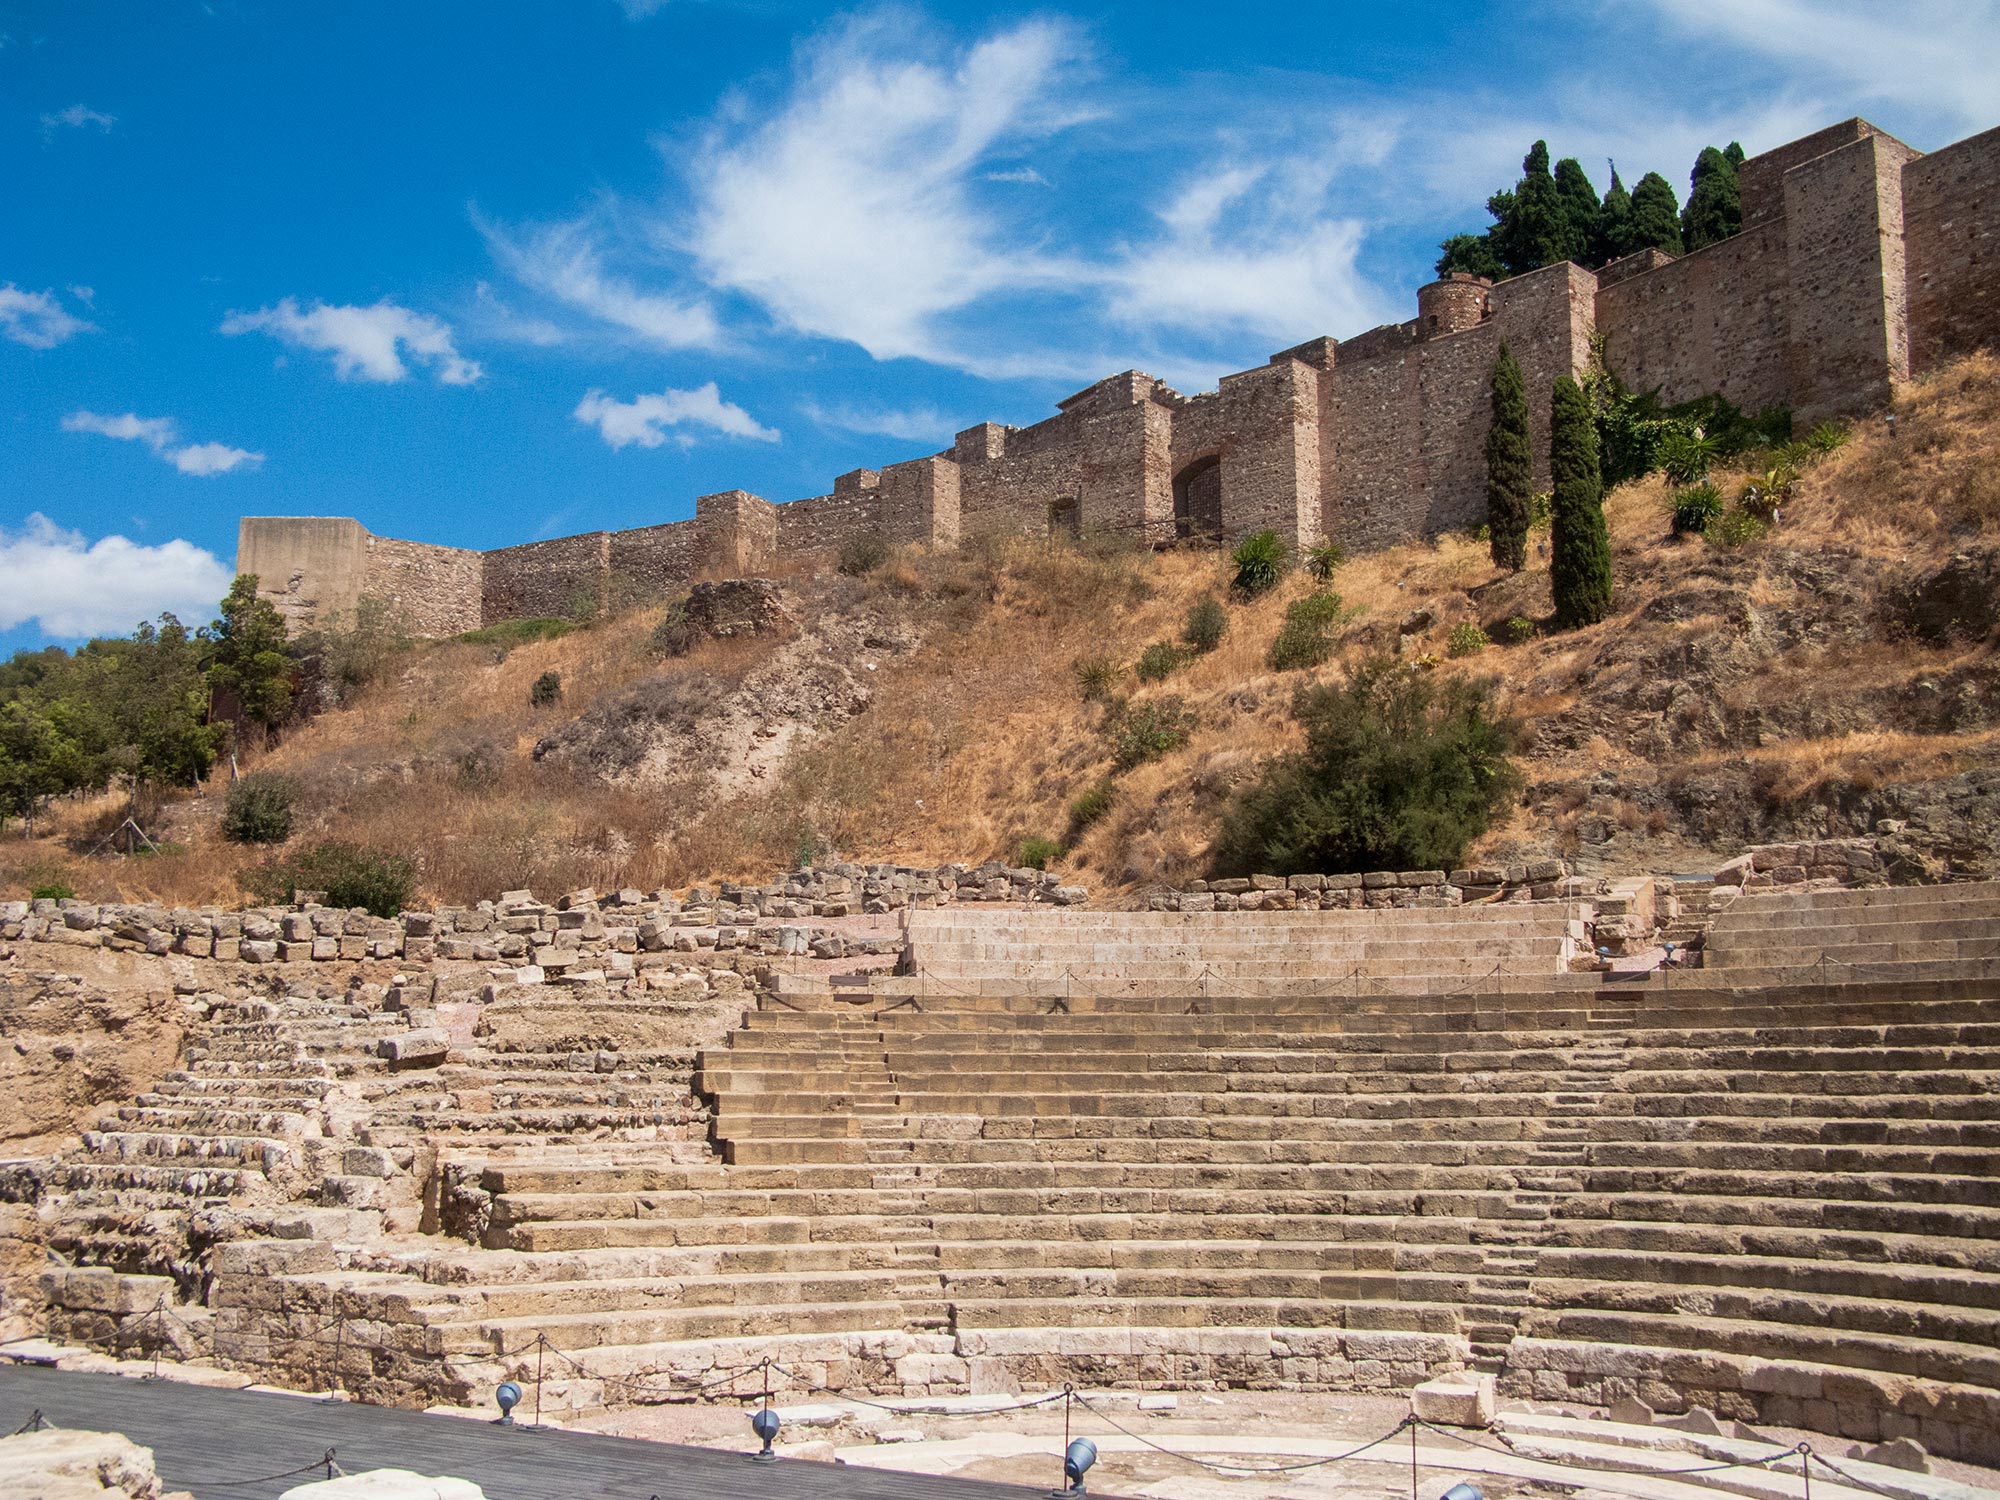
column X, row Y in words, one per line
column 1510, row 466
column 1401, row 769
column 1656, row 221
column 1614, row 223
column 1580, row 210
column 1532, row 224
column 1472, row 254
column 1715, row 206
column 1580, row 546
column 248, row 658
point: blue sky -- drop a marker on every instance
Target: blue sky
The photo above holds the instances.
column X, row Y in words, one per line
column 479, row 273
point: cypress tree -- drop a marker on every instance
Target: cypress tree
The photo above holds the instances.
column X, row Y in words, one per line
column 1656, row 216
column 1510, row 470
column 1532, row 231
column 1715, row 207
column 1614, row 222
column 1734, row 151
column 1580, row 210
column 1580, row 546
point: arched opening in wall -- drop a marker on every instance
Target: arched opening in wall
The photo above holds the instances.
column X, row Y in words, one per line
column 1198, row 501
column 1065, row 517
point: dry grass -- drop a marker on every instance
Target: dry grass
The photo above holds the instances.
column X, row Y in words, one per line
column 980, row 737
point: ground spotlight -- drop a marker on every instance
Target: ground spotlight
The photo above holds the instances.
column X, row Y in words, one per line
column 764, row 1422
column 1464, row 1492
column 507, row 1397
column 1077, row 1459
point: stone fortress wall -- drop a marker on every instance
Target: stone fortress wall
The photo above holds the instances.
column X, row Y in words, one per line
column 1861, row 263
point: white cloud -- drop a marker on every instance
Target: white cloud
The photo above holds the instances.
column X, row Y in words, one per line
column 74, row 587
column 1932, row 56
column 916, row 424
column 162, row 435
column 1019, row 174
column 564, row 262
column 367, row 343
column 645, row 419
column 848, row 212
column 37, row 319
column 638, row 10
column 75, row 118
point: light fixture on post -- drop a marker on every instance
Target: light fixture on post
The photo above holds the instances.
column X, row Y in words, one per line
column 507, row 1396
column 1464, row 1492
column 764, row 1422
column 1077, row 1459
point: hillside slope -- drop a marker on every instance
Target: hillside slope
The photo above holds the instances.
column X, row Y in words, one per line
column 1832, row 677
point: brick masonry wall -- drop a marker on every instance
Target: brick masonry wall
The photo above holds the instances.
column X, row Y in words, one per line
column 1951, row 230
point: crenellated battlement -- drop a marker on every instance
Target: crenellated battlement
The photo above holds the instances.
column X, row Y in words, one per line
column 1861, row 263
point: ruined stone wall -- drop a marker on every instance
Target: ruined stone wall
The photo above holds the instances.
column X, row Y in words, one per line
column 1951, row 234
column 1844, row 232
column 1716, row 320
column 564, row 576
column 654, row 562
column 1860, row 261
column 822, row 525
column 429, row 590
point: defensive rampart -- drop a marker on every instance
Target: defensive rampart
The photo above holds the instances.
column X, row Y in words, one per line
column 1860, row 264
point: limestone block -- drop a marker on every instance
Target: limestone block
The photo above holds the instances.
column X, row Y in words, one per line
column 1631, row 1409
column 1899, row 1453
column 1462, row 1400
column 386, row 1484
column 267, row 1258
column 259, row 951
column 426, row 1047
column 64, row 1464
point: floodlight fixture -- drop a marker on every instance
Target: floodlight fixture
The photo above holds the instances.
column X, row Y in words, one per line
column 1077, row 1459
column 1464, row 1492
column 507, row 1396
column 764, row 1422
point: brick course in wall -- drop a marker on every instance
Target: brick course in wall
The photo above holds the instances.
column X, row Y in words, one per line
column 1861, row 263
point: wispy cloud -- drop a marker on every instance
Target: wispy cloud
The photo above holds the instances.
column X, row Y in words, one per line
column 645, row 420
column 564, row 263
column 162, row 435
column 367, row 343
column 915, row 424
column 74, row 587
column 38, row 319
column 76, row 117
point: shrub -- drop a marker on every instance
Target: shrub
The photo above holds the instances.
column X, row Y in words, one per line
column 1160, row 661
column 1763, row 495
column 1735, row 527
column 1147, row 731
column 258, row 808
column 1466, row 639
column 676, row 634
column 1090, row 806
column 1541, row 510
column 1518, row 629
column 547, row 690
column 1034, row 853
column 1827, row 436
column 1323, row 558
column 347, row 875
column 1695, row 508
column 1260, row 562
column 1306, row 637
column 1401, row 770
column 52, row 891
column 863, row 554
column 1206, row 623
column 1686, row 455
column 1096, row 676
column 478, row 767
column 510, row 633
